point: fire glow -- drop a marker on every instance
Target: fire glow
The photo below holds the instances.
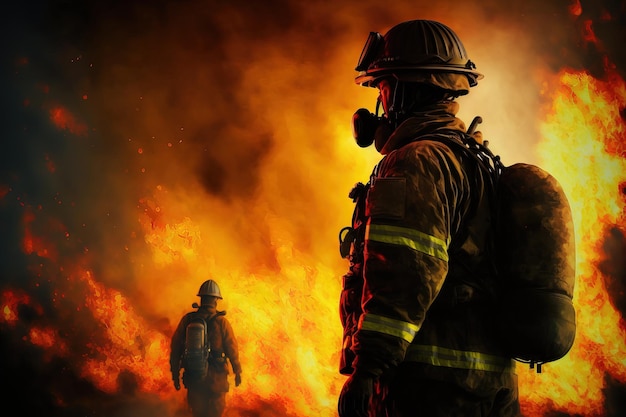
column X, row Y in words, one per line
column 583, row 147
column 281, row 290
column 289, row 348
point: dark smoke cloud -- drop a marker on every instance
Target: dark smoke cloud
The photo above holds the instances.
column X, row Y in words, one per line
column 176, row 72
column 608, row 22
column 172, row 71
column 615, row 397
column 613, row 268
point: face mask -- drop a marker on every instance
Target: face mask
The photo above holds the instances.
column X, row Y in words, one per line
column 368, row 127
column 364, row 125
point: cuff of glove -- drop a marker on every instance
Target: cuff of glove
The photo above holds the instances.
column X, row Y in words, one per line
column 365, row 367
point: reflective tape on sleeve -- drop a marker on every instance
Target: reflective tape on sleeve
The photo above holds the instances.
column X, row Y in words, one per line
column 380, row 324
column 410, row 238
column 451, row 358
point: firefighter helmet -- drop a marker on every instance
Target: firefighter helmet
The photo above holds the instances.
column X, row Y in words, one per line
column 418, row 51
column 211, row 288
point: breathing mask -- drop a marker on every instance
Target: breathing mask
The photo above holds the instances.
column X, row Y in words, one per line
column 364, row 125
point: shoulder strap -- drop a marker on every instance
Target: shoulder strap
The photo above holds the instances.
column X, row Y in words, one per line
column 465, row 143
column 486, row 162
column 198, row 315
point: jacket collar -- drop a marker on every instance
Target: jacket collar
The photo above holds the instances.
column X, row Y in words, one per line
column 431, row 119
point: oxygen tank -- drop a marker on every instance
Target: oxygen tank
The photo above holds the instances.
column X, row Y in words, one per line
column 195, row 337
column 536, row 263
column 195, row 358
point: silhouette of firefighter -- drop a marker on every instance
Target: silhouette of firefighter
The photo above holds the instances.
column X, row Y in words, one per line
column 202, row 346
column 459, row 265
column 418, row 339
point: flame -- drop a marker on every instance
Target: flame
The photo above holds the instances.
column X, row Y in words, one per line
column 583, row 121
column 280, row 310
column 280, row 316
column 272, row 248
column 9, row 302
column 575, row 8
column 30, row 242
column 132, row 345
column 46, row 338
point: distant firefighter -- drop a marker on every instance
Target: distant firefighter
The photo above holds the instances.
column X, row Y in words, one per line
column 203, row 345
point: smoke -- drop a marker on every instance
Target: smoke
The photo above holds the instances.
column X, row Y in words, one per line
column 613, row 267
column 198, row 94
column 123, row 117
column 615, row 403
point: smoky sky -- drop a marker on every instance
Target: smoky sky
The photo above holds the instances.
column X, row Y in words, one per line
column 121, row 49
column 137, row 76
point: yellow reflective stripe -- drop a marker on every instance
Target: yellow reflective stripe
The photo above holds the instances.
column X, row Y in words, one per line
column 450, row 358
column 411, row 238
column 380, row 324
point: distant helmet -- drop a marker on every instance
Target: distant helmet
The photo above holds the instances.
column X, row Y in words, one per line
column 210, row 287
column 418, row 51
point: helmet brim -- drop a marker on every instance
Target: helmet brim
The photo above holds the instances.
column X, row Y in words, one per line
column 429, row 74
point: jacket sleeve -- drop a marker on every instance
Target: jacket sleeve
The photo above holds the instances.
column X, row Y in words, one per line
column 231, row 348
column 413, row 210
column 177, row 346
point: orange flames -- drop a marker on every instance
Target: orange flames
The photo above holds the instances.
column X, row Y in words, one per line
column 10, row 301
column 285, row 318
column 131, row 344
column 577, row 132
column 275, row 257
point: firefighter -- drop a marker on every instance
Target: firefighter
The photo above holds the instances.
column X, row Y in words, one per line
column 206, row 395
column 419, row 333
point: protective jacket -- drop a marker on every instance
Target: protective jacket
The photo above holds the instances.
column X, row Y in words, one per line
column 426, row 270
column 221, row 338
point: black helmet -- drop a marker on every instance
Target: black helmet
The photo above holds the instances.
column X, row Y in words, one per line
column 211, row 288
column 418, row 51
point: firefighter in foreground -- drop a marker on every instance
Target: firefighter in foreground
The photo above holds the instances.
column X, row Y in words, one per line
column 203, row 345
column 419, row 338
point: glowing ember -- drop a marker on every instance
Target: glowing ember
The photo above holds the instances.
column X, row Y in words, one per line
column 9, row 303
column 63, row 119
column 47, row 339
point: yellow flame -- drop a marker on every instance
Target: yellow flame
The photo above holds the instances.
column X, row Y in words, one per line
column 585, row 116
column 280, row 317
column 281, row 285
column 132, row 344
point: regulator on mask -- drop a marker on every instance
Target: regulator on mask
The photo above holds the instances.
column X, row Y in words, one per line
column 368, row 127
column 365, row 124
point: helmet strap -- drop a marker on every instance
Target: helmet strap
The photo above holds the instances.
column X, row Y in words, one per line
column 397, row 111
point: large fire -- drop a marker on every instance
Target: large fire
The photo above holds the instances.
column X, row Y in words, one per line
column 277, row 263
column 583, row 147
